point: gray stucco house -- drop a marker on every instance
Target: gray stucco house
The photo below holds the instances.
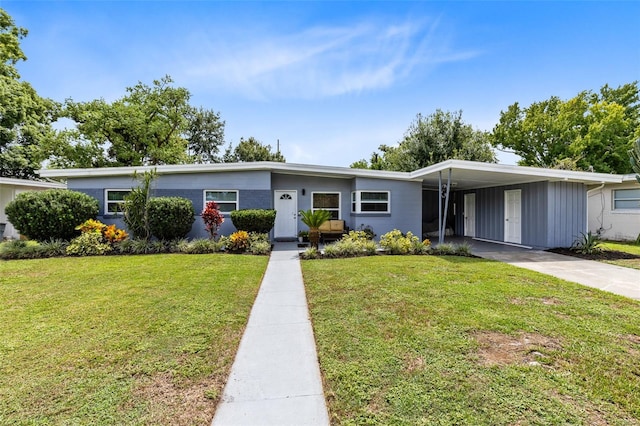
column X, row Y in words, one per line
column 533, row 207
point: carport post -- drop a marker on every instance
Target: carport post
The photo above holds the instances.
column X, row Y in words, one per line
column 446, row 209
column 440, row 207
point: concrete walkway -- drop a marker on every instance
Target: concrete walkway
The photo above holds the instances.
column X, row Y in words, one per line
column 612, row 278
column 275, row 378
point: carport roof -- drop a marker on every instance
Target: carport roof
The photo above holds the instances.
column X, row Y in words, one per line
column 472, row 174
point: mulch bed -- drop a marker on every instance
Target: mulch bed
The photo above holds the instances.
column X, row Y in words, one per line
column 603, row 255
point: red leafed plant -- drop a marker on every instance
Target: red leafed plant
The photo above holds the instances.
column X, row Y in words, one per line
column 212, row 218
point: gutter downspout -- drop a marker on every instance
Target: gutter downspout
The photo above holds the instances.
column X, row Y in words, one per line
column 446, row 208
column 589, row 192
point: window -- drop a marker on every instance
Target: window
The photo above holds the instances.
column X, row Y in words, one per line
column 626, row 199
column 114, row 200
column 227, row 200
column 329, row 201
column 370, row 202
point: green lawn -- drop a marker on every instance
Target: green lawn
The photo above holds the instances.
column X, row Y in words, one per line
column 452, row 340
column 628, row 247
column 121, row 340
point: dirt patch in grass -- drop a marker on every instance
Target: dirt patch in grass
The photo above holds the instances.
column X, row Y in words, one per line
column 603, row 255
column 549, row 301
column 504, row 349
column 180, row 403
column 414, row 363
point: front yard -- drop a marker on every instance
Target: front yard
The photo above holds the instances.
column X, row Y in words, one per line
column 453, row 340
column 625, row 247
column 121, row 339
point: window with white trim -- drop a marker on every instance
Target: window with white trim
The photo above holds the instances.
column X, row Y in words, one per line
column 371, row 202
column 626, row 199
column 329, row 201
column 114, row 200
column 227, row 201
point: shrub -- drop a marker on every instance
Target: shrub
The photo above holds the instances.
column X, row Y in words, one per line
column 109, row 232
column 212, row 218
column 89, row 244
column 238, row 241
column 260, row 248
column 588, row 244
column 310, row 253
column 170, row 218
column 51, row 214
column 355, row 243
column 142, row 246
column 54, row 248
column 254, row 220
column 445, row 249
column 200, row 246
column 395, row 242
column 20, row 249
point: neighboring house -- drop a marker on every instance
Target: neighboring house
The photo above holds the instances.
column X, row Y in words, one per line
column 614, row 209
column 9, row 188
column 526, row 206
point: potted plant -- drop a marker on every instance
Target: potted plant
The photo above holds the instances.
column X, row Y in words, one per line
column 303, row 236
column 313, row 219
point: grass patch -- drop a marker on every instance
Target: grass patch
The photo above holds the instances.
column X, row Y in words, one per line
column 626, row 247
column 455, row 340
column 121, row 339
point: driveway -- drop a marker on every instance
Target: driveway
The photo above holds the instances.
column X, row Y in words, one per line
column 603, row 276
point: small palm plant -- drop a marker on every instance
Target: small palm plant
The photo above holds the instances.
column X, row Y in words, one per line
column 587, row 244
column 314, row 219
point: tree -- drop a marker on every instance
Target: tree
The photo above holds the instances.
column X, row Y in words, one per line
column 591, row 131
column 150, row 125
column 251, row 150
column 438, row 137
column 25, row 117
column 635, row 158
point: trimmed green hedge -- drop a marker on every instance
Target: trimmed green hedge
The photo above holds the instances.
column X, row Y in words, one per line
column 254, row 220
column 51, row 214
column 170, row 218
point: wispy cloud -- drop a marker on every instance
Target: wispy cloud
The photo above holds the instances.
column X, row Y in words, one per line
column 319, row 62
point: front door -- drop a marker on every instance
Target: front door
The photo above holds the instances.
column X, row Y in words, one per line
column 469, row 215
column 512, row 215
column 286, row 206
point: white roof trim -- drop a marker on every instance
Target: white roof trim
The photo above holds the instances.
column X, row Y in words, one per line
column 631, row 177
column 501, row 173
column 277, row 167
column 30, row 183
column 549, row 174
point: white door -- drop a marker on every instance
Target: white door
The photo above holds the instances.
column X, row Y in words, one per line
column 512, row 215
column 469, row 215
column 286, row 206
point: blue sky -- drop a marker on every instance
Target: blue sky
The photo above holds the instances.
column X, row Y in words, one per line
column 331, row 80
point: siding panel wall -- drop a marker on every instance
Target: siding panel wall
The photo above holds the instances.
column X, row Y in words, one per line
column 566, row 214
column 406, row 206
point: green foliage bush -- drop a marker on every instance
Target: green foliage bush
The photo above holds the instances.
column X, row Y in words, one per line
column 170, row 218
column 202, row 246
column 254, row 220
column 20, row 249
column 355, row 243
column 395, row 242
column 89, row 244
column 310, row 253
column 51, row 214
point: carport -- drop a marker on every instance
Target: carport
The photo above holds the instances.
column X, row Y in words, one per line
column 523, row 206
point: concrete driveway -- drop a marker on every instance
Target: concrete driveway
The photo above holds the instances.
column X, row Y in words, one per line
column 603, row 276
